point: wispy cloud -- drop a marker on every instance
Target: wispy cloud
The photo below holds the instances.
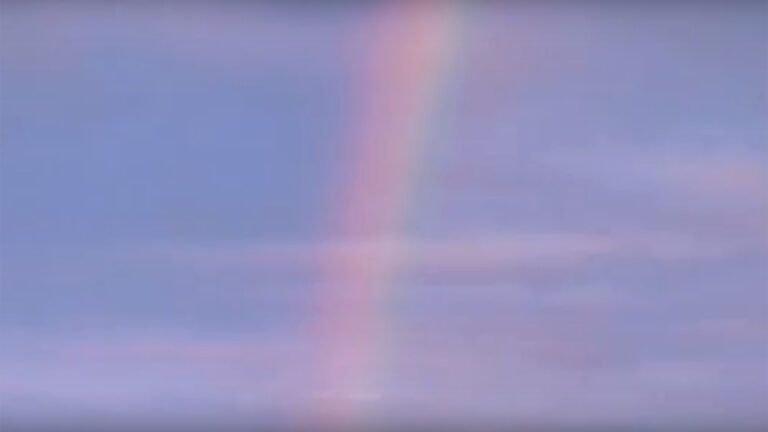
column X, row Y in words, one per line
column 481, row 250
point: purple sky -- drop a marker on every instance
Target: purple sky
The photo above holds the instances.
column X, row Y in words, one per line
column 587, row 243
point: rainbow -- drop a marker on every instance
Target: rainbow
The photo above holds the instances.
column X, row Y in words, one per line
column 404, row 78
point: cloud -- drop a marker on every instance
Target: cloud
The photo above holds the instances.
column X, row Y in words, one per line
column 481, row 251
column 152, row 377
column 432, row 379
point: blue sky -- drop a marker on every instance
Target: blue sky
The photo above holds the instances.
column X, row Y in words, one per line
column 586, row 240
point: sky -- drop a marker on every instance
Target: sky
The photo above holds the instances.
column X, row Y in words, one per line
column 502, row 214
